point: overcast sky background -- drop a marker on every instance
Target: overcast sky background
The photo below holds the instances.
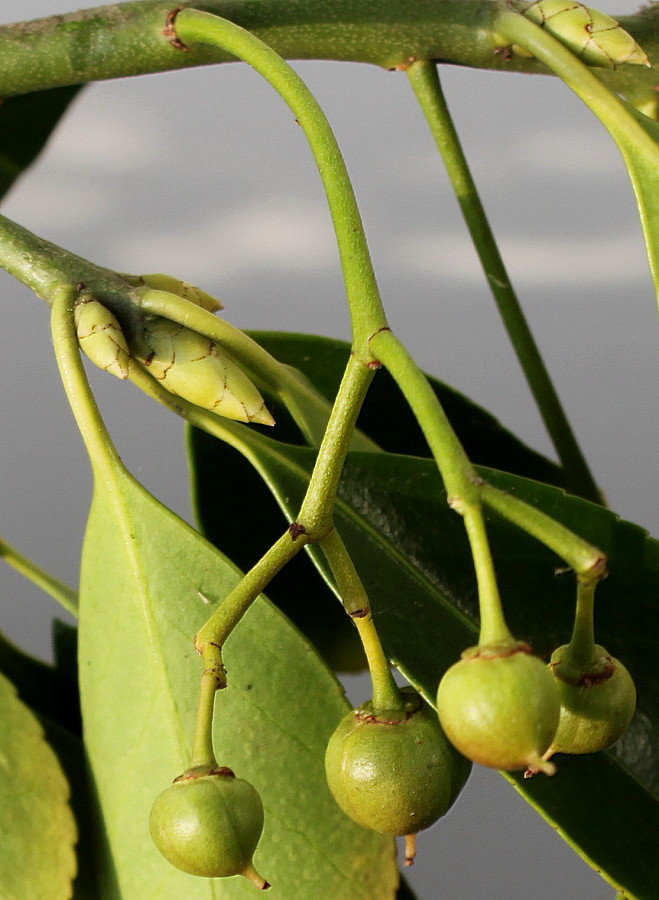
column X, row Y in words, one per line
column 203, row 174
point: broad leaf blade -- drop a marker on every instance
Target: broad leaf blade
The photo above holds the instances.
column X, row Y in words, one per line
column 26, row 123
column 36, row 823
column 147, row 585
column 412, row 553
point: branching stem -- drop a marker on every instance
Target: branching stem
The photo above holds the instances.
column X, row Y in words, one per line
column 425, row 82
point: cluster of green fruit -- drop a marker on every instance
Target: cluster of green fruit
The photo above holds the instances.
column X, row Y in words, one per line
column 398, row 771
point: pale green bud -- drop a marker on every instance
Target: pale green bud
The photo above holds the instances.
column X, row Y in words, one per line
column 182, row 289
column 594, row 37
column 195, row 368
column 100, row 336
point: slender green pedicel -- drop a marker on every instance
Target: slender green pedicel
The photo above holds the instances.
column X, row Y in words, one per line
column 195, row 368
column 594, row 37
column 100, row 336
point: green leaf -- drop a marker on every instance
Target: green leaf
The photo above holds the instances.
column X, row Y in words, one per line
column 387, row 420
column 412, row 554
column 148, row 582
column 386, row 416
column 36, row 823
column 26, row 123
column 643, row 167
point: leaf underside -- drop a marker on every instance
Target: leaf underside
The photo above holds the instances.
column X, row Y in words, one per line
column 148, row 582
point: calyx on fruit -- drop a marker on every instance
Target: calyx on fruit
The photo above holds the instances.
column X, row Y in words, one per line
column 498, row 706
column 597, row 702
column 394, row 771
column 208, row 823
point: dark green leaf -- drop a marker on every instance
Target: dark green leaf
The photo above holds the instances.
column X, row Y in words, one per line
column 386, row 416
column 412, row 553
column 26, row 123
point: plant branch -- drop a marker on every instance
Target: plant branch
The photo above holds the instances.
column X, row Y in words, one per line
column 366, row 312
column 120, row 40
column 425, row 82
column 64, row 595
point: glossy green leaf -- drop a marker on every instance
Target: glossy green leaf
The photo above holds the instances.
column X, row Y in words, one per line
column 148, row 582
column 36, row 823
column 412, row 554
column 387, row 420
column 26, row 123
column 386, row 417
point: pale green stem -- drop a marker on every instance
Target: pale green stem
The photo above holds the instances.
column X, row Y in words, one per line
column 203, row 753
column 493, row 628
column 357, row 604
column 101, row 450
column 65, row 596
column 318, row 504
column 588, row 561
column 462, row 483
column 425, row 82
column 366, row 312
column 581, row 649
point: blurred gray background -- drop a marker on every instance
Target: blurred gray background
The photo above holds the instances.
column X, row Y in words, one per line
column 204, row 174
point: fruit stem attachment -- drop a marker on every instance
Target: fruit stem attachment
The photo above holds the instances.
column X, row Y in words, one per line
column 580, row 652
column 424, row 79
column 386, row 695
column 203, row 754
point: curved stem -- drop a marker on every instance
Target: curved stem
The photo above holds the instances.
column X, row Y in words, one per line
column 203, row 753
column 357, row 604
column 366, row 311
column 581, row 649
column 463, row 484
column 65, row 596
column 425, row 82
column 102, row 453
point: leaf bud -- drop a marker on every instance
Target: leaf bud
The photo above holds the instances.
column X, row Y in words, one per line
column 183, row 289
column 195, row 368
column 594, row 37
column 100, row 336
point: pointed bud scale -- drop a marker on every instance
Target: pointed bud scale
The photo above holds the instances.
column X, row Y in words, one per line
column 100, row 337
column 195, row 368
column 182, row 289
column 594, row 37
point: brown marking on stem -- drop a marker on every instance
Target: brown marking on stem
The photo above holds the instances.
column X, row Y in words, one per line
column 360, row 613
column 295, row 530
column 588, row 679
column 223, row 770
column 169, row 31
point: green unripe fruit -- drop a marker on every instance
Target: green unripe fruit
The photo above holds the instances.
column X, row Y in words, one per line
column 209, row 824
column 394, row 771
column 500, row 708
column 597, row 702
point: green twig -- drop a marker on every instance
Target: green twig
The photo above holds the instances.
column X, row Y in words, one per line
column 425, row 82
column 367, row 315
column 357, row 604
column 64, row 595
